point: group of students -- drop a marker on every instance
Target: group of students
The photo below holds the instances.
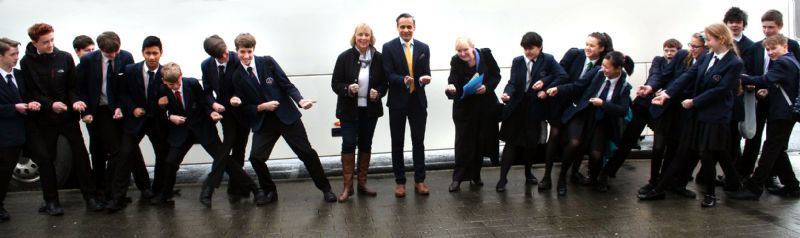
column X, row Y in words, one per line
column 694, row 100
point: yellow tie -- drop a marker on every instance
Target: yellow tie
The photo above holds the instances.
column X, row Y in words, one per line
column 410, row 66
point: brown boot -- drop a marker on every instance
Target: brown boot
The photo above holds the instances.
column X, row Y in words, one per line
column 363, row 167
column 348, row 166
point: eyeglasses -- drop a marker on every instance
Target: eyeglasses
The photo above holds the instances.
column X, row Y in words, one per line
column 695, row 46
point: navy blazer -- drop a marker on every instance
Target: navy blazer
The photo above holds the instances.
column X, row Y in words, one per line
column 713, row 90
column 546, row 69
column 572, row 63
column 132, row 95
column 754, row 56
column 90, row 79
column 744, row 45
column 197, row 112
column 12, row 123
column 674, row 69
column 223, row 88
column 346, row 72
column 279, row 88
column 588, row 87
column 783, row 72
column 396, row 68
column 475, row 106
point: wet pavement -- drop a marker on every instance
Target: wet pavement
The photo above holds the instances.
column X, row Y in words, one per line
column 472, row 212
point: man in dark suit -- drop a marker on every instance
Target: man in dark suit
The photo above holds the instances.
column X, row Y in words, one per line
column 14, row 105
column 192, row 120
column 269, row 101
column 756, row 62
column 49, row 75
column 218, row 70
column 407, row 67
column 139, row 97
column 98, row 94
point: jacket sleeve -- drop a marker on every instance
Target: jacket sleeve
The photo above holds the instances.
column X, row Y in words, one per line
column 208, row 89
column 339, row 81
column 453, row 78
column 32, row 86
column 619, row 109
column 655, row 79
column 686, row 79
column 249, row 105
column 492, row 77
column 283, row 81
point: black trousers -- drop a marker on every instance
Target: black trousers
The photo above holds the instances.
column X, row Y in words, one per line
column 42, row 144
column 470, row 143
column 630, row 137
column 217, row 151
column 774, row 159
column 235, row 135
column 131, row 158
column 8, row 161
column 417, row 117
column 752, row 147
column 294, row 135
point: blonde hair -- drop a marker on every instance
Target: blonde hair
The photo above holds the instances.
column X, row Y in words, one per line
column 170, row 72
column 463, row 40
column 723, row 34
column 778, row 39
column 362, row 27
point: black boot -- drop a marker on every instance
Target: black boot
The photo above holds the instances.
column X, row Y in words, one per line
column 205, row 196
column 653, row 194
column 545, row 184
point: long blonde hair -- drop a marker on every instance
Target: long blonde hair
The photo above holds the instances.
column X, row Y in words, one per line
column 723, row 34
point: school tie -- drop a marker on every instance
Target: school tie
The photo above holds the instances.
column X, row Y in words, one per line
column 409, row 60
column 179, row 98
column 150, row 77
column 712, row 64
column 109, row 72
column 603, row 95
column 262, row 82
column 222, row 72
column 13, row 87
column 530, row 76
column 588, row 67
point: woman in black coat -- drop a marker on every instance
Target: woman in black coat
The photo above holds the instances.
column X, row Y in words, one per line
column 474, row 113
column 359, row 81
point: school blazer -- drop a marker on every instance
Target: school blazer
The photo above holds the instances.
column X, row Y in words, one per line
column 612, row 110
column 196, row 110
column 784, row 72
column 666, row 78
column 12, row 123
column 547, row 69
column 90, row 80
column 222, row 87
column 278, row 87
column 713, row 91
column 132, row 96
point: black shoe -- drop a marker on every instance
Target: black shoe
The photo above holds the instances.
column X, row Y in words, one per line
column 683, row 192
column 646, row 188
column 787, row 192
column 744, row 194
column 709, row 201
column 161, row 200
column 146, row 194
column 562, row 188
column 205, row 196
column 578, row 178
column 52, row 209
column 92, row 204
column 4, row 216
column 455, row 186
column 531, row 180
column 501, row 186
column 115, row 205
column 476, row 182
column 545, row 184
column 602, row 184
column 773, row 184
column 652, row 195
column 328, row 196
column 720, row 181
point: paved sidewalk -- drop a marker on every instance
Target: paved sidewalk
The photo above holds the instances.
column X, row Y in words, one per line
column 472, row 212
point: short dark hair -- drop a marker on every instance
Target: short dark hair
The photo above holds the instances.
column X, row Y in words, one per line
column 405, row 15
column 82, row 41
column 38, row 30
column 673, row 43
column 617, row 58
column 215, row 46
column 245, row 40
column 108, row 42
column 735, row 14
column 6, row 44
column 773, row 15
column 151, row 41
column 531, row 39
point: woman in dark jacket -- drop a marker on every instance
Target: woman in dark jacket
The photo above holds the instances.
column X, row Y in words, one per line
column 359, row 81
column 474, row 113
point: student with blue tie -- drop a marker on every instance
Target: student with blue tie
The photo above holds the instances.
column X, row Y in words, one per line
column 599, row 103
column 407, row 67
column 14, row 106
column 270, row 101
column 707, row 133
column 218, row 70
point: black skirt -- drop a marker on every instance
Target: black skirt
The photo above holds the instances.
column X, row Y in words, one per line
column 703, row 136
column 518, row 130
column 669, row 123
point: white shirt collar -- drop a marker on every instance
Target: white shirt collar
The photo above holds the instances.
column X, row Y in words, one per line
column 722, row 54
column 145, row 69
column 404, row 42
column 221, row 64
column 3, row 73
column 738, row 38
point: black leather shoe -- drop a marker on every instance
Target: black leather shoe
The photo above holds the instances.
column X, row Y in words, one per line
column 787, row 192
column 4, row 216
column 562, row 188
column 476, row 182
column 744, row 194
column 328, row 196
column 578, row 178
column 455, row 186
column 161, row 201
column 532, row 180
column 501, row 186
column 646, row 188
column 52, row 209
column 683, row 192
column 709, row 201
column 115, row 205
column 773, row 184
column 545, row 184
column 92, row 204
column 652, row 195
column 205, row 196
column 146, row 194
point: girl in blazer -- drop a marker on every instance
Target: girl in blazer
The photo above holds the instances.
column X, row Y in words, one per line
column 707, row 134
column 359, row 82
column 474, row 115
